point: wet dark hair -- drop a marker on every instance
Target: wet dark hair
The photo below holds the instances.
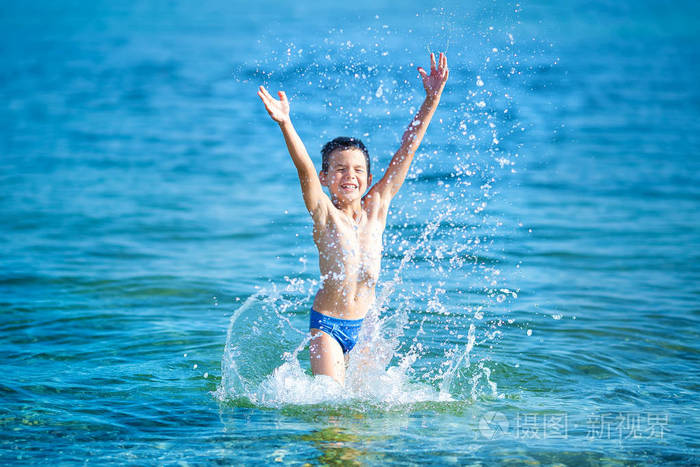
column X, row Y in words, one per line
column 342, row 143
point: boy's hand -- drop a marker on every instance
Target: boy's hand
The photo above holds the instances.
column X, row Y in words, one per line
column 434, row 82
column 278, row 109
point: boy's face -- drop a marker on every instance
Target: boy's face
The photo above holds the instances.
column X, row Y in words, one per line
column 347, row 178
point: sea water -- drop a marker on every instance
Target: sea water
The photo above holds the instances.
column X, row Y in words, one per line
column 538, row 301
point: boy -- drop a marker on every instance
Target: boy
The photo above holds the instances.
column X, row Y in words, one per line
column 348, row 227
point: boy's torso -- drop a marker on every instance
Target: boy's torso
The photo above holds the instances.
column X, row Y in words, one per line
column 350, row 259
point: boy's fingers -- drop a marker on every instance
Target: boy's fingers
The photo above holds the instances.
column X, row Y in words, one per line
column 432, row 61
column 422, row 72
column 283, row 95
column 265, row 100
column 267, row 94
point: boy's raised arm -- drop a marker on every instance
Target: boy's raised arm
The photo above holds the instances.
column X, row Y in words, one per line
column 311, row 188
column 396, row 173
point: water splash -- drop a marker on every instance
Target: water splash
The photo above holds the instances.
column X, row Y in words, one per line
column 263, row 364
column 265, row 360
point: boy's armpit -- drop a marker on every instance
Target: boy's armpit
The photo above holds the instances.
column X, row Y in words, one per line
column 320, row 213
column 377, row 203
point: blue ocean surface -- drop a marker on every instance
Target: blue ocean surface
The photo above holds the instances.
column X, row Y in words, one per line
column 540, row 288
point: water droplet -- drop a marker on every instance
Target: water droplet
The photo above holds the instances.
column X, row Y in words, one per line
column 379, row 91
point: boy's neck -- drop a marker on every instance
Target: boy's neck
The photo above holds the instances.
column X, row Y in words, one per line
column 353, row 209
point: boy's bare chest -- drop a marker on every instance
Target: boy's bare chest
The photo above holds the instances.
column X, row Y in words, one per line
column 346, row 240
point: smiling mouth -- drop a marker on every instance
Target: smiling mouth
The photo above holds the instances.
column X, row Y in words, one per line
column 349, row 186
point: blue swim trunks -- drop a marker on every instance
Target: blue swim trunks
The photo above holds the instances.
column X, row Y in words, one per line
column 345, row 331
